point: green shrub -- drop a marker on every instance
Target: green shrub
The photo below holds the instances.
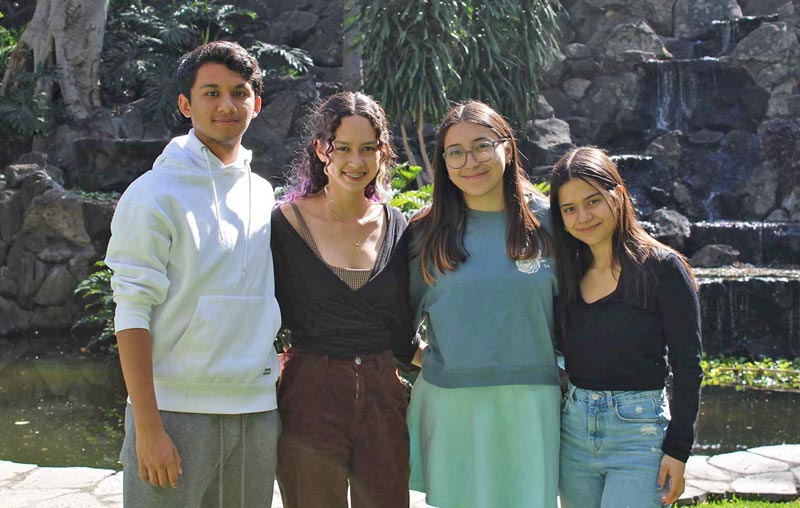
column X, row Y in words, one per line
column 96, row 293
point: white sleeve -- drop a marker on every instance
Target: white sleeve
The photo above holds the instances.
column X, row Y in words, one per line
column 138, row 253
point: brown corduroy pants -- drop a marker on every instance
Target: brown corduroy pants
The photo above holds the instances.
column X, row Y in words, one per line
column 343, row 422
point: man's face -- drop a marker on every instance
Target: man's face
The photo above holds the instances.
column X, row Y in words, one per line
column 221, row 107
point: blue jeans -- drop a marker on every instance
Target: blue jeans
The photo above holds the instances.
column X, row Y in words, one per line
column 611, row 448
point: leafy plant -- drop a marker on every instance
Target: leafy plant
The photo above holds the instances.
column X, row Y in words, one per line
column 96, row 292
column 8, row 41
column 281, row 59
column 491, row 50
column 26, row 109
column 409, row 201
column 769, row 374
column 97, row 195
column 143, row 44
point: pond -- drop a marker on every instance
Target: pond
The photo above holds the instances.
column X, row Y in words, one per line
column 66, row 409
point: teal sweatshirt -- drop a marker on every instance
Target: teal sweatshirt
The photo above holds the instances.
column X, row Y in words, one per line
column 489, row 322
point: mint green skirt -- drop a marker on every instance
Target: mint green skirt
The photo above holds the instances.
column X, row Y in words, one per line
column 482, row 447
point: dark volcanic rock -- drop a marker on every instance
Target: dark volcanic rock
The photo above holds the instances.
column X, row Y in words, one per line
column 713, row 256
column 671, row 227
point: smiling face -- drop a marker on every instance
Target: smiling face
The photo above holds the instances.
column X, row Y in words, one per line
column 221, row 104
column 352, row 161
column 481, row 183
column 586, row 212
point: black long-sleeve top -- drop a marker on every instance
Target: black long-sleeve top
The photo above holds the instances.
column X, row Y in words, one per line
column 612, row 344
column 325, row 316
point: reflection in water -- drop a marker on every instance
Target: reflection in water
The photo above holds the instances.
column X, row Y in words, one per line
column 68, row 411
column 733, row 420
column 61, row 411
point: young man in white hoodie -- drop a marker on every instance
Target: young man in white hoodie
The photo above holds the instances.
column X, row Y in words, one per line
column 196, row 310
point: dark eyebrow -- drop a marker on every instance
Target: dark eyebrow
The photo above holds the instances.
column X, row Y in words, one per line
column 562, row 205
column 214, row 85
column 482, row 138
column 349, row 143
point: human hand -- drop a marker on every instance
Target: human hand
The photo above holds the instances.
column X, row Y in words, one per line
column 159, row 461
column 417, row 360
column 282, row 359
column 673, row 469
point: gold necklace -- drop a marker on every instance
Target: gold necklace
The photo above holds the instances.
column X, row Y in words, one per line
column 356, row 244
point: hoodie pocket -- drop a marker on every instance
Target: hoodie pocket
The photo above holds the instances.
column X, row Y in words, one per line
column 228, row 342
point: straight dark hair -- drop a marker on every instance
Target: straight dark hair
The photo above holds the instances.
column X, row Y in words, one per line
column 227, row 53
column 441, row 227
column 632, row 246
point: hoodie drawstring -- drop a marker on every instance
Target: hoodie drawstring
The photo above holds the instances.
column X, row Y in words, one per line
column 216, row 198
column 217, row 207
column 249, row 216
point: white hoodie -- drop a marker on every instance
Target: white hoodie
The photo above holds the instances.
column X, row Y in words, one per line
column 190, row 251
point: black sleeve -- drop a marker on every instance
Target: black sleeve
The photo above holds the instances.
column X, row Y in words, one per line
column 404, row 339
column 679, row 308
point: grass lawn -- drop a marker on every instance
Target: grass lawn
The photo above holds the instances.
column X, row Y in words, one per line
column 738, row 503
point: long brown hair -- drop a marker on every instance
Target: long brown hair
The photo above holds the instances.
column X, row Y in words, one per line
column 442, row 226
column 308, row 172
column 631, row 244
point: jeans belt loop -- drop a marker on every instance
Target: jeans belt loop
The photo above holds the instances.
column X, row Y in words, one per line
column 571, row 392
column 610, row 400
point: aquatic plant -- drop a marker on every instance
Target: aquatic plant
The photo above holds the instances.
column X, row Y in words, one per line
column 768, row 374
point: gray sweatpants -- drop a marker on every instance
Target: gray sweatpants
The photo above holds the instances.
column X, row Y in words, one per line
column 243, row 446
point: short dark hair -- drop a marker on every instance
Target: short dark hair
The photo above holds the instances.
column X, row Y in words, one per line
column 230, row 54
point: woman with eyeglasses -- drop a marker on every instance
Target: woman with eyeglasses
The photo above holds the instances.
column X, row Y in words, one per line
column 484, row 414
column 630, row 315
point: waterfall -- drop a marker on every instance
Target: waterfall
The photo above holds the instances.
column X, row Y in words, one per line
column 725, row 35
column 665, row 84
column 687, row 93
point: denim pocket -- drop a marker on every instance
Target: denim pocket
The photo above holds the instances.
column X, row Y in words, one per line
column 638, row 411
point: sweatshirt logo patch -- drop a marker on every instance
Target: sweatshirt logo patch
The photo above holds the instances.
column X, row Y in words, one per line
column 532, row 265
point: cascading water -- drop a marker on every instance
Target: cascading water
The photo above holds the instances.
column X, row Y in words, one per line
column 677, row 89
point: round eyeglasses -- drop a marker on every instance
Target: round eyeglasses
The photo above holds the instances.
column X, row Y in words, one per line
column 483, row 151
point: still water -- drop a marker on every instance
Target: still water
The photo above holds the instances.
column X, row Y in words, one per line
column 66, row 409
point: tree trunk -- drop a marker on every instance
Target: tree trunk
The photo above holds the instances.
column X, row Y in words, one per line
column 66, row 35
column 421, row 138
column 352, row 65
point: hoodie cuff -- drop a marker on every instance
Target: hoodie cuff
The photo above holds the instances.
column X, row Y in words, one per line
column 129, row 315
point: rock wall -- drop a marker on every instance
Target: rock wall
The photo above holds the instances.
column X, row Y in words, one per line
column 49, row 239
column 706, row 89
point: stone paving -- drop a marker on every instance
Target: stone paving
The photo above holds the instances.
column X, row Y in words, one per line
column 768, row 472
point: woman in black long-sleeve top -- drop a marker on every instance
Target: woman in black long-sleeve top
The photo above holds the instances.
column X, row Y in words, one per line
column 629, row 314
column 341, row 279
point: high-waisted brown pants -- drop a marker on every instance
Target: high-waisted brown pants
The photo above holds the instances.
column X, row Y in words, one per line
column 343, row 420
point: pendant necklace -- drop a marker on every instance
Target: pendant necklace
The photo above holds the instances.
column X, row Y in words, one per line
column 356, row 244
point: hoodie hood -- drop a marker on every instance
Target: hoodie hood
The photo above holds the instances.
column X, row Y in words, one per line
column 188, row 152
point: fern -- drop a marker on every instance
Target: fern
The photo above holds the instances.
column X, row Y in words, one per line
column 96, row 292
column 272, row 56
column 25, row 110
